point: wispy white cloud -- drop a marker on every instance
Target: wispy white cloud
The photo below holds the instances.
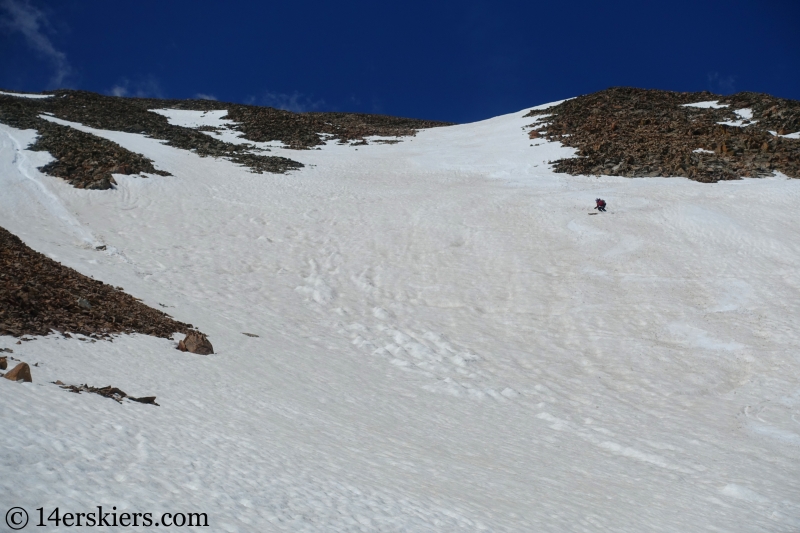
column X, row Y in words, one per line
column 20, row 16
column 296, row 102
column 721, row 84
column 147, row 87
column 204, row 96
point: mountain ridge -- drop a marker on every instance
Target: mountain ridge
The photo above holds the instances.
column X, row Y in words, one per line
column 631, row 132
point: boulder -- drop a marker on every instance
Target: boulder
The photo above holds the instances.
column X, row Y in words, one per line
column 3, row 363
column 20, row 372
column 196, row 342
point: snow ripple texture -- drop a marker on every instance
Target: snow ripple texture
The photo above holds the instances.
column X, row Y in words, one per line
column 446, row 342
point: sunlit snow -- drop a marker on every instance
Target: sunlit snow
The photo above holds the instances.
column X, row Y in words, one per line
column 711, row 104
column 745, row 118
column 192, row 119
column 23, row 95
column 795, row 135
column 446, row 342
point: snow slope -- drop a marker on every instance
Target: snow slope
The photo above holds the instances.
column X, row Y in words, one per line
column 711, row 104
column 23, row 95
column 446, row 342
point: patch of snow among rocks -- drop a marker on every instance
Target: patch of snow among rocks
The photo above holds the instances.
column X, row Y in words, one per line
column 795, row 135
column 24, row 95
column 745, row 118
column 194, row 119
column 711, row 104
column 226, row 132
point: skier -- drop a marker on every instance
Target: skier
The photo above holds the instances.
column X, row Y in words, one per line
column 601, row 204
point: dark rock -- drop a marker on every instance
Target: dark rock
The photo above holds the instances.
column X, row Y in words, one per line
column 107, row 392
column 3, row 363
column 144, row 399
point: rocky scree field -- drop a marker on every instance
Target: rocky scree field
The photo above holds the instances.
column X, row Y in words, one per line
column 39, row 295
column 646, row 133
column 88, row 162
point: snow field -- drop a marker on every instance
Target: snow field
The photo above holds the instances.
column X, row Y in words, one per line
column 447, row 342
column 711, row 104
column 23, row 95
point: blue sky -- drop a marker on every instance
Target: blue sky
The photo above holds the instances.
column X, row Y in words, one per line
column 456, row 61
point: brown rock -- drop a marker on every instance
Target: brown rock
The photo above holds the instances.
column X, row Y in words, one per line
column 196, row 342
column 20, row 372
column 3, row 363
column 39, row 295
column 635, row 132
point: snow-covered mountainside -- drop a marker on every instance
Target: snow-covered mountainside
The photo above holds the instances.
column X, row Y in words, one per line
column 424, row 335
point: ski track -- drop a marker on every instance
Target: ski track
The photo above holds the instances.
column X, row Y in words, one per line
column 447, row 342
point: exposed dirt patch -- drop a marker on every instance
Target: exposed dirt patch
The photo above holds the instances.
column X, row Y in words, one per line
column 639, row 133
column 39, row 295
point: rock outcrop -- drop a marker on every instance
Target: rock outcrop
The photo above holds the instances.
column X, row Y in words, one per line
column 117, row 114
column 642, row 133
column 88, row 161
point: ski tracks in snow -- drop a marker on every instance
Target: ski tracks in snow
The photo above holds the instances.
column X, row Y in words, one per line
column 358, row 306
column 21, row 173
column 574, row 349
